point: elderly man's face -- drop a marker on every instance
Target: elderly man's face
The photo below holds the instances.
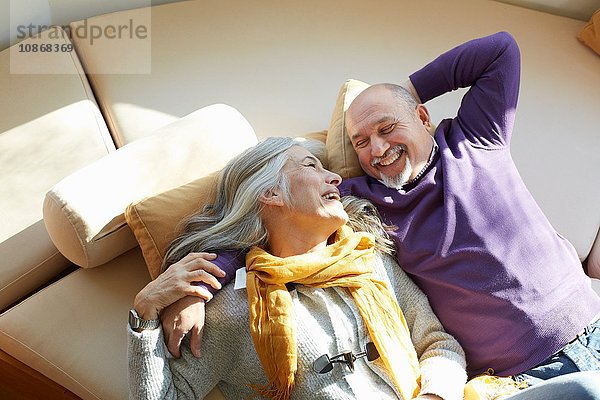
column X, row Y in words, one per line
column 393, row 144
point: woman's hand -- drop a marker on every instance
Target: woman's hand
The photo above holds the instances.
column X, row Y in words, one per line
column 176, row 282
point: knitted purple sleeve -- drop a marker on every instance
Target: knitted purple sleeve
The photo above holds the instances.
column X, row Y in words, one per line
column 228, row 261
column 490, row 66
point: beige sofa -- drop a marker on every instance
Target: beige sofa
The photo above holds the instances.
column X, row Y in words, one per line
column 280, row 64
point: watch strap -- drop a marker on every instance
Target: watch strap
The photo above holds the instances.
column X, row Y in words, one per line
column 135, row 322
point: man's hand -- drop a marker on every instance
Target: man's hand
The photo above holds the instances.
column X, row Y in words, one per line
column 177, row 282
column 181, row 317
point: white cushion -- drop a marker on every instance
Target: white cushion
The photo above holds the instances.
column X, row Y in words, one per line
column 84, row 212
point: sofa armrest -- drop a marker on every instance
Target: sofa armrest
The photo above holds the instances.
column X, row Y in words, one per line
column 83, row 213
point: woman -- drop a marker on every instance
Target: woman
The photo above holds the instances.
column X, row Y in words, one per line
column 277, row 202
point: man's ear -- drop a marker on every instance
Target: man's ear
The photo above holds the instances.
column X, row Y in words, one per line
column 423, row 115
column 273, row 197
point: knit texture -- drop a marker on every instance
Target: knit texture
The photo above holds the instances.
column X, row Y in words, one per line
column 347, row 263
column 327, row 321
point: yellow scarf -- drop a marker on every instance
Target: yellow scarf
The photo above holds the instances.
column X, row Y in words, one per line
column 489, row 387
column 348, row 263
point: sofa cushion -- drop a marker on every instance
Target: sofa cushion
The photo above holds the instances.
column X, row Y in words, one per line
column 50, row 126
column 79, row 344
column 154, row 220
column 133, row 48
column 590, row 34
column 82, row 345
column 204, row 52
column 341, row 155
column 84, row 212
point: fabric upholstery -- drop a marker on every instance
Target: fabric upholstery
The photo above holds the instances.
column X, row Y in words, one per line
column 341, row 155
column 272, row 70
column 50, row 126
column 590, row 34
column 154, row 220
column 281, row 65
column 84, row 212
column 91, row 347
column 81, row 344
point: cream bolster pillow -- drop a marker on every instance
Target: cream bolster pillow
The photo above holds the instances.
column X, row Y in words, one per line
column 84, row 212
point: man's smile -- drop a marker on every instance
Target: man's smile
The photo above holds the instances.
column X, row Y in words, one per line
column 389, row 158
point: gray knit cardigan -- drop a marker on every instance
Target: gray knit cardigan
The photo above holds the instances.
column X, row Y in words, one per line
column 327, row 322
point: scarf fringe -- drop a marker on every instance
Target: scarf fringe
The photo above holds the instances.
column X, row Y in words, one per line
column 486, row 387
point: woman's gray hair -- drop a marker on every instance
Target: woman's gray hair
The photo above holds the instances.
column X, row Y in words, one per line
column 233, row 221
column 364, row 217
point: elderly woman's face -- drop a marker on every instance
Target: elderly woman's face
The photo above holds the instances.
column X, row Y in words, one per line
column 313, row 190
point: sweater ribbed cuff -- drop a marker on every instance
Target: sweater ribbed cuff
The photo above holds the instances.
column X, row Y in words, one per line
column 146, row 341
column 443, row 377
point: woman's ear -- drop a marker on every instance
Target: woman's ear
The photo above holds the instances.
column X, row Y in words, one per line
column 273, row 197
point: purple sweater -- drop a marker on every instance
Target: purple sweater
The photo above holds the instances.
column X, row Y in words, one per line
column 499, row 277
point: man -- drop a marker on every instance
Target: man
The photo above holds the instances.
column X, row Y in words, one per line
column 501, row 280
column 499, row 277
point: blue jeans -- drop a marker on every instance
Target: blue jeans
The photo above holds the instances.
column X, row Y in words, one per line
column 574, row 386
column 567, row 374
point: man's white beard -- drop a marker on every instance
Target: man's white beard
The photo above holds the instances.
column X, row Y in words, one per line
column 396, row 182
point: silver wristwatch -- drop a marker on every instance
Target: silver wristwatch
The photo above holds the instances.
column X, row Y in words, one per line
column 135, row 322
